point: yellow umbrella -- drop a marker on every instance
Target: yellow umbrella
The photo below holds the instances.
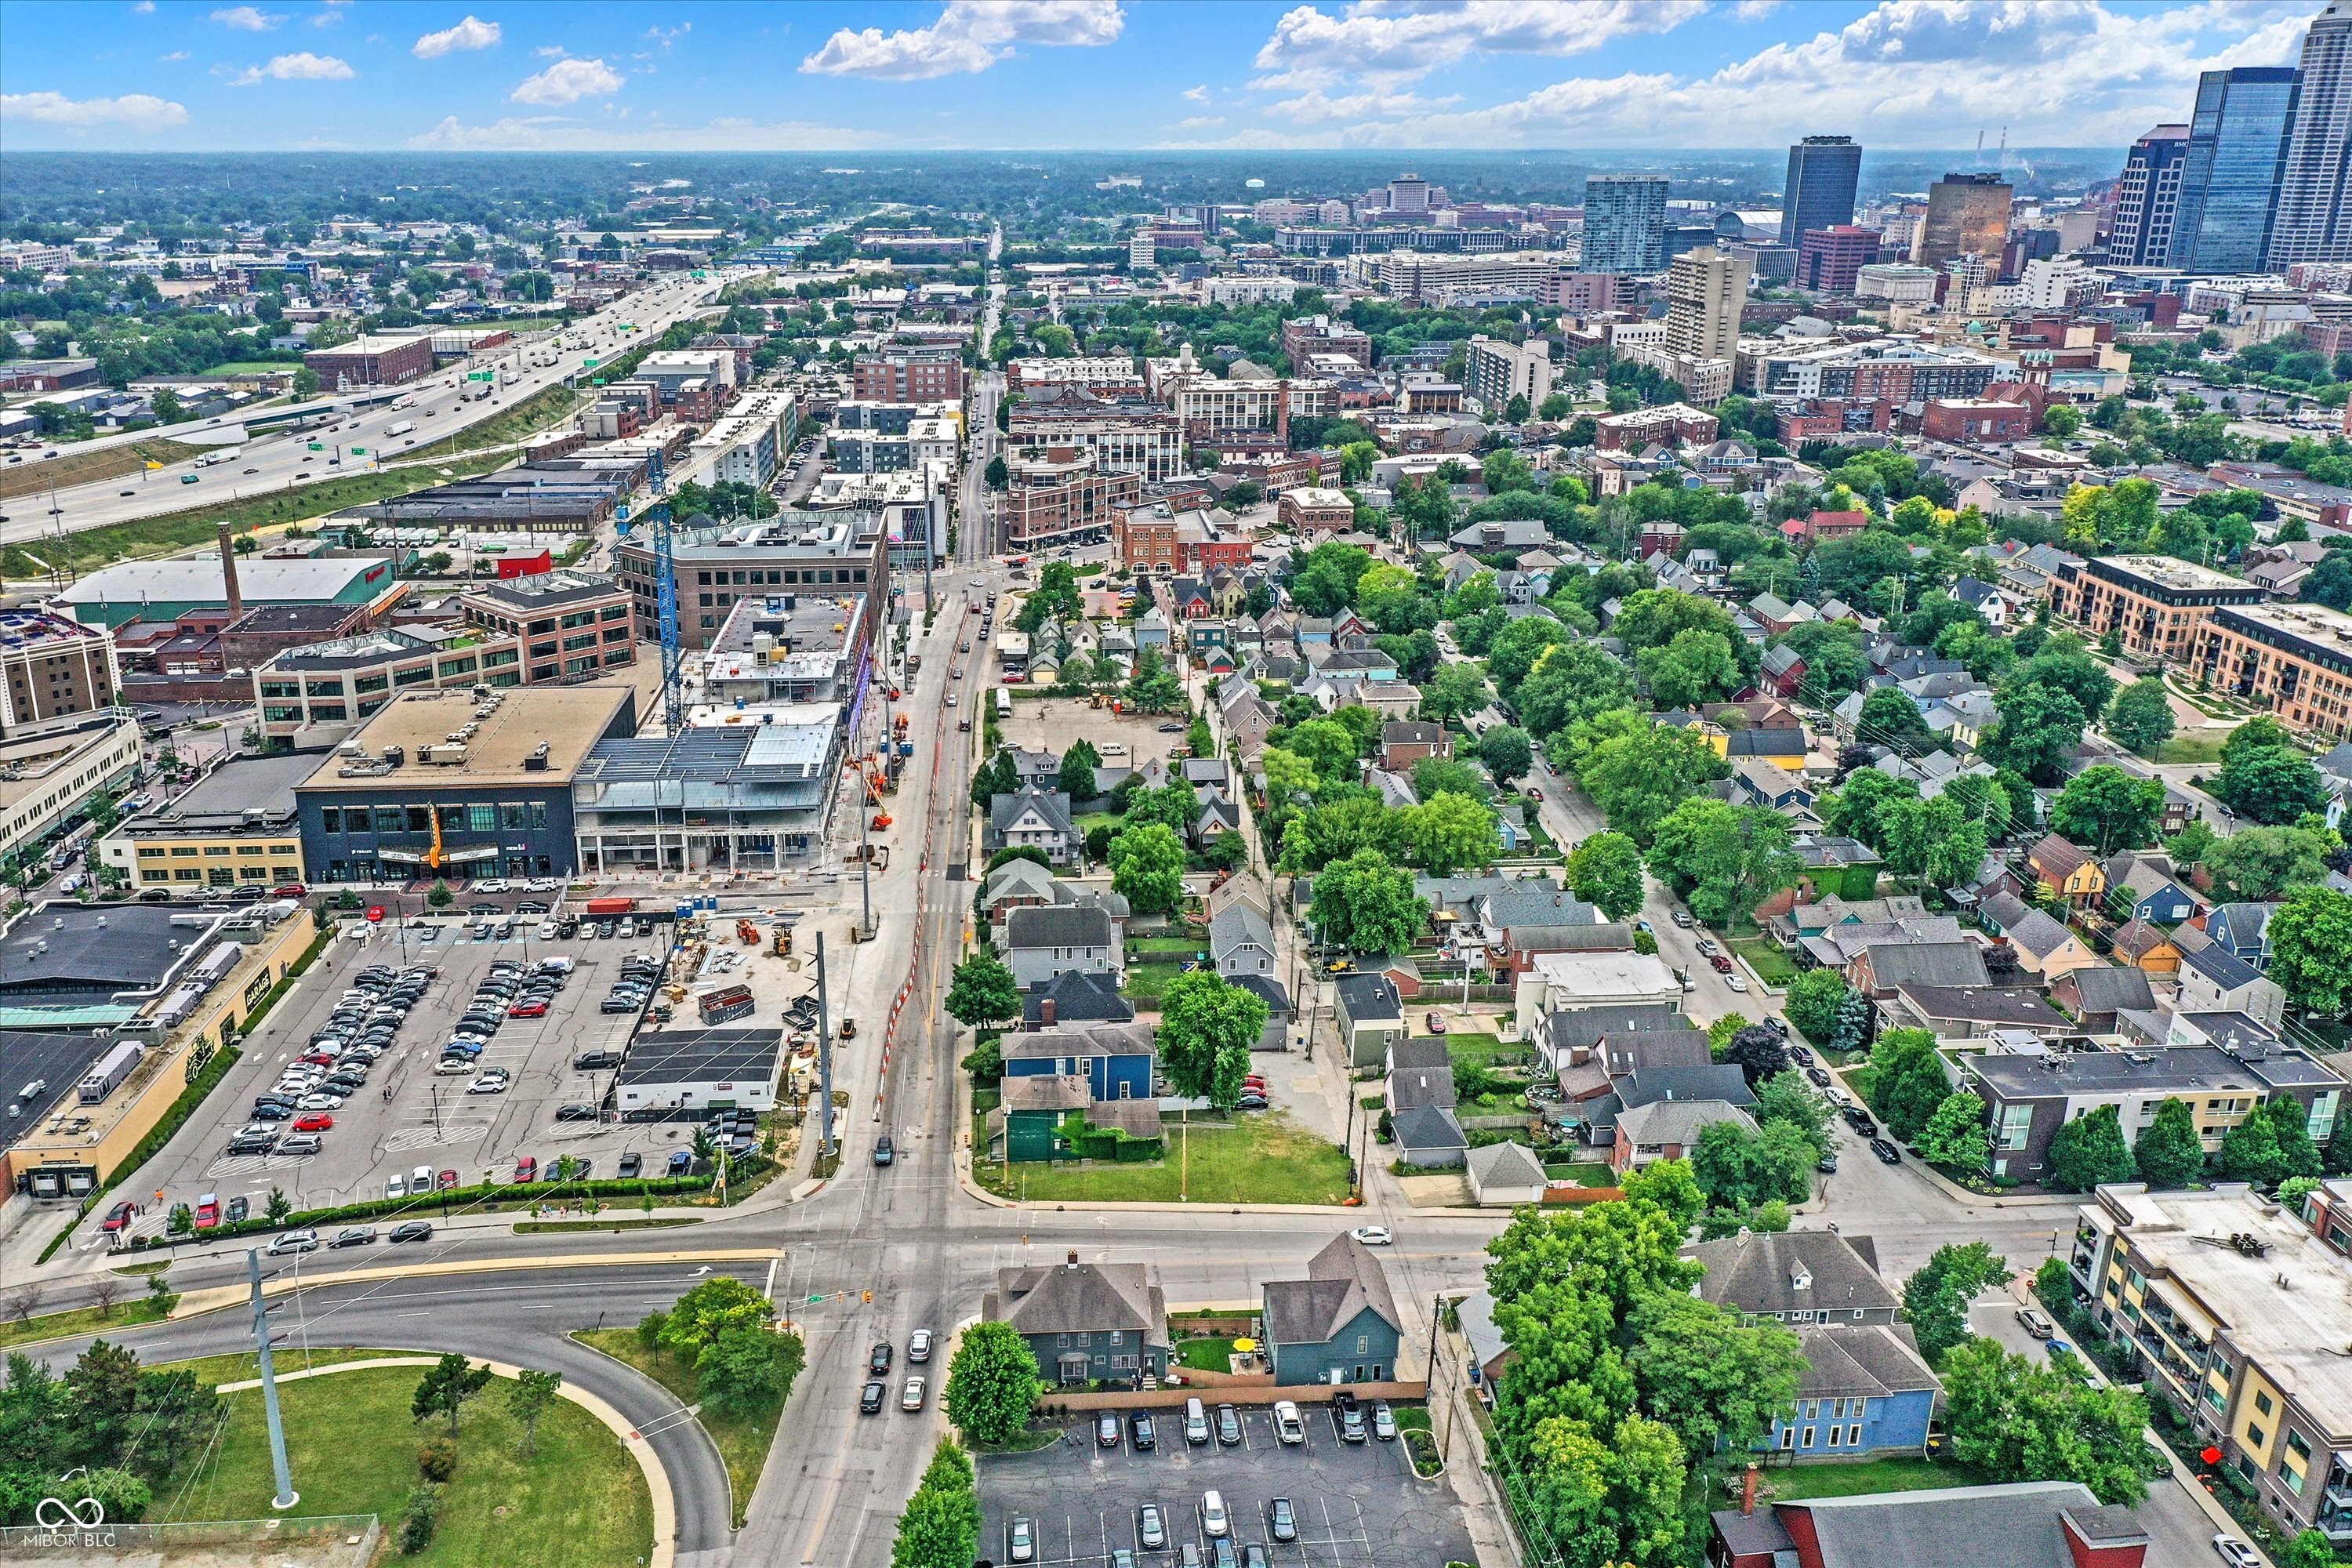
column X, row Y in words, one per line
column 1244, row 1346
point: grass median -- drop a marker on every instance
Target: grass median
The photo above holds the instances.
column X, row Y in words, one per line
column 36, row 475
column 527, row 417
column 743, row 1441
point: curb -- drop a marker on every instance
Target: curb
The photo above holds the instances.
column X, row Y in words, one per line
column 196, row 1303
column 664, row 1503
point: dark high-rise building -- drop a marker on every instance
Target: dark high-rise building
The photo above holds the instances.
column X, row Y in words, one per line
column 1823, row 173
column 1624, row 224
column 2230, row 173
column 2314, row 192
column 2146, row 198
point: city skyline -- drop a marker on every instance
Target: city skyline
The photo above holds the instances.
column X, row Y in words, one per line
column 1111, row 74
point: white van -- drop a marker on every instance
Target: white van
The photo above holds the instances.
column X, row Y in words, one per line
column 1214, row 1520
column 1196, row 1423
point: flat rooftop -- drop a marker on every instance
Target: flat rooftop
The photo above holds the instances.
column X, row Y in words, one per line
column 65, row 951
column 2197, row 1068
column 2289, row 1310
column 568, row 720
column 53, row 1059
column 702, row 1056
column 2172, row 573
column 2315, row 623
column 220, row 800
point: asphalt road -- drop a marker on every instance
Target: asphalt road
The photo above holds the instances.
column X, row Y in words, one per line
column 277, row 457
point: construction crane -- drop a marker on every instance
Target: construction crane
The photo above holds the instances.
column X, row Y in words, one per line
column 666, row 596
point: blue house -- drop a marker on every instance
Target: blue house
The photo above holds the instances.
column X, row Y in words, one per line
column 1114, row 1059
column 1339, row 1324
column 2242, row 931
column 2150, row 889
column 1865, row 1391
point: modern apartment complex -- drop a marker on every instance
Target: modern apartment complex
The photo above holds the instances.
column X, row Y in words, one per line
column 1056, row 496
column 1137, row 438
column 2295, row 659
column 2154, row 603
column 1624, row 224
column 827, row 552
column 52, row 671
column 903, row 373
column 1497, row 370
column 2239, row 1315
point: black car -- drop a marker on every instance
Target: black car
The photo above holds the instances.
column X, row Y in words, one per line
column 877, row 1359
column 575, row 1113
column 870, row 1397
column 1887, row 1151
column 1280, row 1521
column 1819, row 1077
column 596, row 1061
column 1140, row 1433
column 1826, row 1164
column 1796, row 1054
column 415, row 1230
column 631, row 1163
column 885, row 1152
column 1229, row 1426
column 1860, row 1121
column 272, row 1112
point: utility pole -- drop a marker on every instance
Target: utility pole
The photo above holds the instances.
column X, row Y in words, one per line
column 823, row 1055
column 1436, row 1311
column 286, row 1495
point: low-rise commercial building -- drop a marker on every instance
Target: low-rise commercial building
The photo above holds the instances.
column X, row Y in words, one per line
column 166, row 590
column 1058, row 496
column 49, row 777
column 314, row 696
column 233, row 827
column 372, row 360
column 1310, row 510
column 2154, row 603
column 2238, row 1313
column 404, row 798
column 573, row 625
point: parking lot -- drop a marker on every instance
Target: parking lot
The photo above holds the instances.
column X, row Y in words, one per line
column 1356, row 1505
column 408, row 1115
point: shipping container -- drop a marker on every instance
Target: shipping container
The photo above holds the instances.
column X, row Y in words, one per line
column 610, row 906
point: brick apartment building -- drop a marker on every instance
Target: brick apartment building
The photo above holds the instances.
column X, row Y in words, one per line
column 1306, row 335
column 1979, row 419
column 371, row 362
column 1670, row 425
column 1824, row 418
column 2154, row 603
column 2295, row 659
column 1831, row 260
column 1161, row 538
column 909, row 375
column 1306, row 512
column 1057, row 496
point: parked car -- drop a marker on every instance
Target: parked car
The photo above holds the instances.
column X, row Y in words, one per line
column 2035, row 1321
column 1229, row 1426
column 1020, row 1540
column 1151, row 1528
column 1142, row 1435
column 1384, row 1425
column 294, row 1241
column 911, row 1398
column 870, row 1397
column 1105, row 1430
column 1281, row 1522
column 1288, row 1425
column 2236, row 1553
column 1214, row 1520
column 355, row 1236
column 1886, row 1151
column 1351, row 1424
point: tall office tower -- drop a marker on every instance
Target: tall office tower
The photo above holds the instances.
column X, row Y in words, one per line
column 2230, row 175
column 2146, row 198
column 2315, row 194
column 1823, row 172
column 1967, row 215
column 1408, row 194
column 1624, row 224
column 1705, row 290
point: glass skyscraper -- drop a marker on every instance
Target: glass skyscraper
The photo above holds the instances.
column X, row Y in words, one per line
column 1823, row 175
column 2315, row 190
column 1624, row 224
column 2230, row 174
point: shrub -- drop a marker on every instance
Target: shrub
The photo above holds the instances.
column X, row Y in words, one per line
column 436, row 1458
column 419, row 1518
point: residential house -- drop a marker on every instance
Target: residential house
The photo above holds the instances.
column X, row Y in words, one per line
column 1074, row 997
column 1218, row 816
column 1084, row 1322
column 1975, row 1012
column 2045, row 948
column 1881, row 968
column 2213, row 980
column 2242, row 931
column 1782, row 672
column 1794, row 924
column 1371, row 1018
column 1781, row 745
column 1489, row 1356
column 1505, row 1175
column 1428, row 1137
column 2067, row 872
column 1403, row 744
column 1041, row 942
column 1667, row 1130
column 2023, row 1524
column 2097, row 994
column 1338, row 1325
column 1608, row 979
column 2145, row 886
column 1997, row 605
column 1242, row 887
column 1755, row 781
column 1572, row 1037
column 1034, row 818
column 1798, row 1277
column 1115, row 1061
column 2145, row 947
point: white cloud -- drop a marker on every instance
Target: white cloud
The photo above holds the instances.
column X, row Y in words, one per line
column 246, row 18
column 473, row 32
column 969, row 36
column 1907, row 73
column 303, row 67
column 666, row 36
column 175, row 55
column 1401, row 40
column 568, row 81
column 1754, row 10
column 143, row 8
column 1195, row 94
column 1313, row 106
column 133, row 110
column 555, row 132
column 551, row 51
column 1197, row 122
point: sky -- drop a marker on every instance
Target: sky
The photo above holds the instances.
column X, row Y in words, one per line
column 851, row 75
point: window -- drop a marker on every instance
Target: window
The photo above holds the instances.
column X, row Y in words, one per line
column 330, row 818
column 2263, row 1402
column 1808, row 1441
column 1363, row 1344
column 512, row 816
column 1117, row 1337
column 482, row 818
column 2254, row 1436
column 1787, row 1437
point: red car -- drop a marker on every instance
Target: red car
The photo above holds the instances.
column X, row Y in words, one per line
column 119, row 1217
column 291, row 891
column 1722, row 964
column 320, row 1058
column 315, row 1121
column 1536, row 796
column 533, row 1008
column 448, row 1179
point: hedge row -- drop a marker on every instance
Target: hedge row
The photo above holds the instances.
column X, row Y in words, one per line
column 157, row 1136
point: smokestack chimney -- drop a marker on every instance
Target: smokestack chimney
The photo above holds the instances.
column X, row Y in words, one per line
column 228, row 574
column 1747, row 1491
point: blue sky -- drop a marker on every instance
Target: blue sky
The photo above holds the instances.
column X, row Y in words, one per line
column 479, row 75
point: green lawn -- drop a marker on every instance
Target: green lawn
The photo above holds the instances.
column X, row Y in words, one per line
column 2201, row 746
column 1480, row 1048
column 742, row 1443
column 353, row 1448
column 1181, row 946
column 1771, row 965
column 1147, row 983
column 1584, row 1175
column 1853, row 1478
column 135, row 1307
column 1266, row 1157
column 1212, row 1354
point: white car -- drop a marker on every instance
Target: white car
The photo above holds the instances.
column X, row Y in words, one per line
column 1372, row 1235
column 495, row 885
column 321, row 1101
column 1214, row 1520
column 489, row 1083
column 1286, row 1423
column 1734, row 982
column 547, row 930
column 2236, row 1553
column 912, row 1399
column 294, row 1241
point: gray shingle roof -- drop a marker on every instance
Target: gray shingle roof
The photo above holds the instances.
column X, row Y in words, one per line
column 2106, row 988
column 2038, row 934
column 1056, row 925
column 1927, row 963
column 1758, row 1272
column 1428, row 1127
column 1505, row 1164
column 2014, row 1526
column 1342, row 1281
column 1237, row 925
column 1872, row 1360
column 1079, row 1297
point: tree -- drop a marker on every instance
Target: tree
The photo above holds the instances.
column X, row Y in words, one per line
column 1450, row 832
column 1154, row 687
column 1723, row 860
column 278, row 1206
column 1507, row 752
column 992, row 1384
column 1453, row 691
column 2064, row 663
column 1147, row 868
column 2107, row 809
column 1890, row 718
column 2308, row 1549
column 997, row 474
column 1367, row 904
column 2259, row 864
column 1076, row 774
column 528, row 1400
column 1325, row 583
column 1787, row 1097
column 1740, row 1169
column 748, row 1371
column 2250, row 1153
column 1935, row 1298
column 1912, row 1081
column 716, row 1306
column 1605, row 871
column 1955, row 1138
column 993, row 777
column 2090, row 1151
column 983, row 991
column 2311, row 948
column 2291, row 1127
column 2013, row 1420
column 1713, row 1379
column 445, row 1389
column 2140, row 718
column 940, row 1527
column 1638, row 773
column 1757, row 1052
column 1812, row 1003
column 2270, row 784
column 2037, row 732
column 1696, row 666
column 1516, row 647
column 2166, row 1153
column 1442, row 775
column 1207, row 1029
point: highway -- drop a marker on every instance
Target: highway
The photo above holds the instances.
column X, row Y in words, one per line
column 276, row 462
